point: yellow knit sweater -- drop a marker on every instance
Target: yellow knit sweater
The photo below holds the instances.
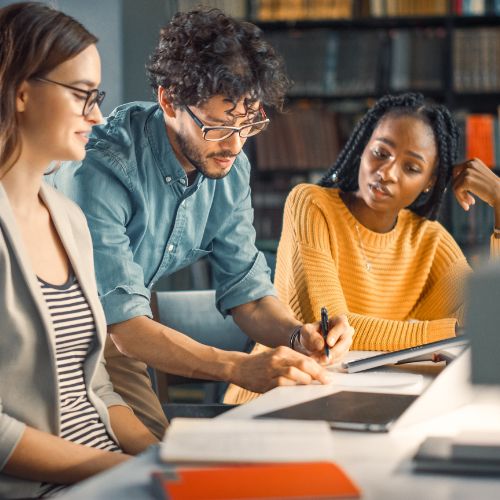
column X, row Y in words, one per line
column 412, row 294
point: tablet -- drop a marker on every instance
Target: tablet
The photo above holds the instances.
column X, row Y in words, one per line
column 418, row 353
column 350, row 410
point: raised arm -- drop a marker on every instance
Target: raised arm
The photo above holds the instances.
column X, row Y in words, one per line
column 474, row 178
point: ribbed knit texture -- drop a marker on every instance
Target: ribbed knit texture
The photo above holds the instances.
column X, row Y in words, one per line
column 412, row 295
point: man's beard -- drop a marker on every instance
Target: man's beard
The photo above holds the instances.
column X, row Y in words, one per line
column 199, row 163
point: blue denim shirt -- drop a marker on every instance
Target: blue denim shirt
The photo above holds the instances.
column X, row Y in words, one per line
column 146, row 222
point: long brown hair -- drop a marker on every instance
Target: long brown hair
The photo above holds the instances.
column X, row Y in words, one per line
column 34, row 39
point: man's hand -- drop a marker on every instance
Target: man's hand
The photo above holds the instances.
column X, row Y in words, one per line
column 339, row 340
column 263, row 371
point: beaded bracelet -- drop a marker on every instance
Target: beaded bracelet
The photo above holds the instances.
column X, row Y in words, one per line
column 295, row 336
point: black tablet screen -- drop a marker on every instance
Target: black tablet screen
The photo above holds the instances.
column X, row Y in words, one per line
column 350, row 410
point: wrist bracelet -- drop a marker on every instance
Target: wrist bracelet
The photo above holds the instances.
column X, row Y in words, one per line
column 295, row 336
column 496, row 232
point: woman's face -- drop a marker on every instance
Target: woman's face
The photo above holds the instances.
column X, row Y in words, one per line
column 51, row 121
column 397, row 164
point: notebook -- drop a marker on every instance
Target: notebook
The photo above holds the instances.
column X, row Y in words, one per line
column 206, row 440
column 252, row 481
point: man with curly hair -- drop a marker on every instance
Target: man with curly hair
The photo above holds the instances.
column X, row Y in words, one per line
column 166, row 183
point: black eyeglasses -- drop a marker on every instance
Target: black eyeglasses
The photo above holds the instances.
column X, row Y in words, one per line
column 94, row 96
column 222, row 132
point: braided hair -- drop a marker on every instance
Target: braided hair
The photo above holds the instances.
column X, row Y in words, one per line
column 344, row 172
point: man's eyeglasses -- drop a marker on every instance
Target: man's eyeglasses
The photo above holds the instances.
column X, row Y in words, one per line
column 94, row 96
column 222, row 132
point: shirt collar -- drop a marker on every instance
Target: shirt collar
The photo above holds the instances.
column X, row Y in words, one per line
column 164, row 156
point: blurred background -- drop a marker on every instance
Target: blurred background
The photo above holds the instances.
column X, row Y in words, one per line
column 341, row 55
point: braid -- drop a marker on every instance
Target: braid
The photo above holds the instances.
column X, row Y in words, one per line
column 344, row 172
column 446, row 134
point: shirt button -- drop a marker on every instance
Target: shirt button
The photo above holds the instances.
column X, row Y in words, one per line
column 183, row 181
column 168, row 178
column 170, row 247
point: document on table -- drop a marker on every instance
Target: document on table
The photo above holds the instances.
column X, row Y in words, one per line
column 381, row 377
column 376, row 378
column 250, row 441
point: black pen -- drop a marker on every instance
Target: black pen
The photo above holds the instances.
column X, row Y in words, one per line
column 324, row 329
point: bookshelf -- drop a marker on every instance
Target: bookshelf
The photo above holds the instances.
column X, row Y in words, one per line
column 341, row 63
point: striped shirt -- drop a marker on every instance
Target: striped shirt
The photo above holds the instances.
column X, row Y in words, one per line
column 75, row 333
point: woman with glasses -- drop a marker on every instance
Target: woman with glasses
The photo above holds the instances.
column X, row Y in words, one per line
column 366, row 242
column 60, row 420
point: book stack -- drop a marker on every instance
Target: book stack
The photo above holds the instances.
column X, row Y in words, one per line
column 476, row 7
column 303, row 138
column 395, row 8
column 352, row 63
column 476, row 60
column 417, row 59
column 295, row 10
column 248, row 459
column 472, row 229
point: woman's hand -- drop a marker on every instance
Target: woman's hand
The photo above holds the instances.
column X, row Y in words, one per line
column 474, row 178
column 339, row 340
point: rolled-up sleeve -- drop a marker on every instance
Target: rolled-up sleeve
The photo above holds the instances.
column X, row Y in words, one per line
column 120, row 280
column 11, row 431
column 240, row 271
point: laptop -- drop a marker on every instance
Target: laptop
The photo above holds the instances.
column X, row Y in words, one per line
column 381, row 412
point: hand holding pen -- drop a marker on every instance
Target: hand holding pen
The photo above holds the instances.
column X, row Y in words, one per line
column 337, row 337
column 327, row 340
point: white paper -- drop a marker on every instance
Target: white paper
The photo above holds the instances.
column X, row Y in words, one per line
column 262, row 440
column 378, row 378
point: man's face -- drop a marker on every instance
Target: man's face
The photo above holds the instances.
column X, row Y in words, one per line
column 213, row 159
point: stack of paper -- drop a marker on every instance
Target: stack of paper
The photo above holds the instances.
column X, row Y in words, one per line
column 209, row 440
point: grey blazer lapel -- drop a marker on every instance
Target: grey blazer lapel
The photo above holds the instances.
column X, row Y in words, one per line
column 11, row 231
column 70, row 235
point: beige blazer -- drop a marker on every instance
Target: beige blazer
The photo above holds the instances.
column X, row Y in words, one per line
column 28, row 378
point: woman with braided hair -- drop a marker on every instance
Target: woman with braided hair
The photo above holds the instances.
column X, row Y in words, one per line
column 365, row 241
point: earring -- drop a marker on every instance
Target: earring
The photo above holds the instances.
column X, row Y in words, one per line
column 427, row 190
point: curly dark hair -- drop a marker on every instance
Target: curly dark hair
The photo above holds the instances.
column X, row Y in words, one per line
column 344, row 172
column 203, row 53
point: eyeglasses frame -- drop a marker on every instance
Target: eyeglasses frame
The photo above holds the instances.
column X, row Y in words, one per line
column 100, row 94
column 206, row 128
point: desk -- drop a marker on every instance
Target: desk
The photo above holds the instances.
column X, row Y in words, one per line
column 379, row 463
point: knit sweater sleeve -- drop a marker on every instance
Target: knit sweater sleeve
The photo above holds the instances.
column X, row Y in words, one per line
column 307, row 278
column 443, row 296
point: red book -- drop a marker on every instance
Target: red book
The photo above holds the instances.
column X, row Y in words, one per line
column 480, row 138
column 251, row 481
